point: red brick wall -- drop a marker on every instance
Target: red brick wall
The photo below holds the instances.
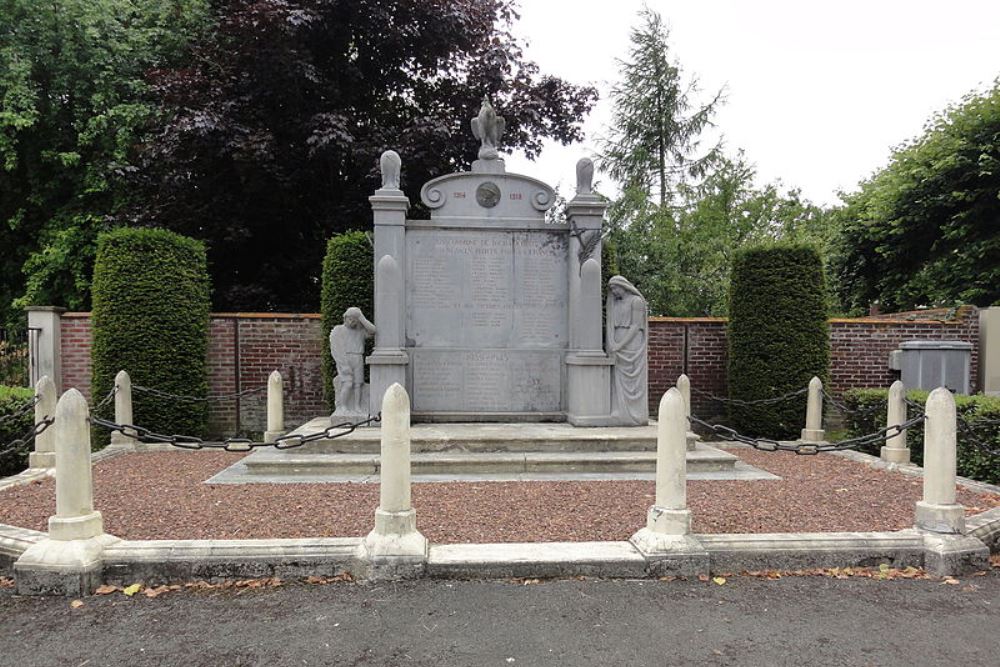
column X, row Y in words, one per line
column 288, row 343
column 859, row 354
column 859, row 351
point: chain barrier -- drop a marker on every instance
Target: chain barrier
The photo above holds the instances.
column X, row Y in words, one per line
column 199, row 399
column 969, row 427
column 760, row 401
column 21, row 411
column 288, row 441
column 846, row 410
column 768, row 445
column 36, row 430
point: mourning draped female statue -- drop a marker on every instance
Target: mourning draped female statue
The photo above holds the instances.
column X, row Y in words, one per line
column 627, row 329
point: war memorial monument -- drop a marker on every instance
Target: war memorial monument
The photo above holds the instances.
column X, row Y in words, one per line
column 496, row 320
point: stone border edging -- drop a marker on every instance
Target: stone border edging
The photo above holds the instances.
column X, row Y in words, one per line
column 156, row 561
column 162, row 561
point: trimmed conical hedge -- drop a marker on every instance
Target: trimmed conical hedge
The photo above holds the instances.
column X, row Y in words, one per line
column 778, row 335
column 150, row 318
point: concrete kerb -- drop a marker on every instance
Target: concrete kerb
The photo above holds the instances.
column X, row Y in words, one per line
column 161, row 561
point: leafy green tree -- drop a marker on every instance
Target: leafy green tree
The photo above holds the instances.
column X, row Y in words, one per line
column 925, row 230
column 681, row 257
column 274, row 130
column 72, row 104
column 656, row 127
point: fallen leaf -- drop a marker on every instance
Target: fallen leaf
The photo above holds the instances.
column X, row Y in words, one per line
column 719, row 580
column 155, row 592
column 702, row 577
column 132, row 590
column 105, row 589
column 76, row 604
column 951, row 582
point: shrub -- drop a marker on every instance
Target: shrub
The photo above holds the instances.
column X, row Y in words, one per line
column 778, row 335
column 868, row 407
column 348, row 280
column 150, row 318
column 12, row 401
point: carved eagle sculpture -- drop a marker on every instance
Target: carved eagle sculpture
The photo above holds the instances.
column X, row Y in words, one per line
column 488, row 128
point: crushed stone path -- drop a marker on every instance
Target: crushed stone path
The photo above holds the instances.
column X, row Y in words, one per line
column 162, row 495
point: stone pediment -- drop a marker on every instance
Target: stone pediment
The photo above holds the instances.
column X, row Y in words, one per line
column 493, row 196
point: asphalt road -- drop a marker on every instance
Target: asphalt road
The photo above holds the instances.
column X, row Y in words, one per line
column 746, row 621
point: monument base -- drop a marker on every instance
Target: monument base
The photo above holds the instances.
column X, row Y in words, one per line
column 895, row 454
column 946, row 519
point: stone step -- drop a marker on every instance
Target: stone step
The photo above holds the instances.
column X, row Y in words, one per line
column 472, row 438
column 301, row 463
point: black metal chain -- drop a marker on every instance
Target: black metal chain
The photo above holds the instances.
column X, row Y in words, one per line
column 21, row 411
column 288, row 441
column 968, row 429
column 768, row 445
column 846, row 410
column 36, row 430
column 761, row 401
column 199, row 399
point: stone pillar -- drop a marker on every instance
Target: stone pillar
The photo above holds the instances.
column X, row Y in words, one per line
column 44, row 455
column 588, row 382
column 123, row 409
column 895, row 449
column 45, row 338
column 665, row 540
column 275, row 407
column 388, row 361
column 938, row 512
column 989, row 350
column 395, row 548
column 68, row 562
column 813, row 432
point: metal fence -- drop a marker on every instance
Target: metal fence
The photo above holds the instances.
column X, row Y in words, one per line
column 15, row 358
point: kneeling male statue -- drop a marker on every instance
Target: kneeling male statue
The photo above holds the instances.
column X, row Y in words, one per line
column 347, row 347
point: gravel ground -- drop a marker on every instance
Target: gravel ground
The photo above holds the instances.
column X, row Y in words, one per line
column 162, row 496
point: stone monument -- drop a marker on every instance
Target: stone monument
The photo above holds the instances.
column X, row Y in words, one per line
column 489, row 311
column 347, row 347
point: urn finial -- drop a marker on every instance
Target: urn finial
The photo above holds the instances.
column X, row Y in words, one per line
column 390, row 165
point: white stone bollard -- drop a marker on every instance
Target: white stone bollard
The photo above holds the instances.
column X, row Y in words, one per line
column 275, row 407
column 684, row 386
column 123, row 410
column 895, row 449
column 75, row 517
column 813, row 432
column 44, row 455
column 69, row 561
column 938, row 512
column 395, row 548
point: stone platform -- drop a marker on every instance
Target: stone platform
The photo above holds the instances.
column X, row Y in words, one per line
column 514, row 452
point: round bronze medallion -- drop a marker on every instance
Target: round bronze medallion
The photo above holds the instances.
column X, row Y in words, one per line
column 488, row 194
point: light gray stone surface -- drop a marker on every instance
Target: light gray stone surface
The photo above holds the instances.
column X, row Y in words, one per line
column 347, row 347
column 938, row 511
column 895, row 449
column 535, row 559
column 394, row 549
column 44, row 454
column 499, row 308
column 813, row 432
column 627, row 342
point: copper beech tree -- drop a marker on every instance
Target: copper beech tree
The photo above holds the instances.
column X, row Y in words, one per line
column 272, row 132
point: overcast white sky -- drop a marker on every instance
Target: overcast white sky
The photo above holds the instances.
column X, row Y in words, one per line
column 818, row 93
